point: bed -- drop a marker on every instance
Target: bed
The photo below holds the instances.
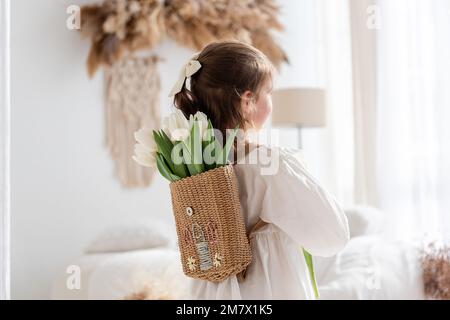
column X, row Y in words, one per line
column 370, row 267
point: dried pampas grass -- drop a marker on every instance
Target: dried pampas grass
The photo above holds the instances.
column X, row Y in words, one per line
column 119, row 26
column 436, row 271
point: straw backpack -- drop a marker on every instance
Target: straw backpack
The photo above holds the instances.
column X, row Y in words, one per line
column 211, row 231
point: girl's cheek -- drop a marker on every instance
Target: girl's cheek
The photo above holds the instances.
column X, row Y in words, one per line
column 264, row 111
column 261, row 113
column 268, row 107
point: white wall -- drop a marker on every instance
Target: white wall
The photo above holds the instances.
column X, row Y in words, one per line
column 5, row 143
column 63, row 189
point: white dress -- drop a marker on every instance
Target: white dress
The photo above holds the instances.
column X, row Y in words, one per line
column 299, row 213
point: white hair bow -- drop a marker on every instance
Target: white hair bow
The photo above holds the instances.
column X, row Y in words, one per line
column 190, row 68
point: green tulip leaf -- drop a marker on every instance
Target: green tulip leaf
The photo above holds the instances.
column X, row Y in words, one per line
column 223, row 154
column 164, row 169
column 193, row 170
column 179, row 169
column 209, row 134
column 309, row 263
column 165, row 149
column 195, row 148
column 209, row 153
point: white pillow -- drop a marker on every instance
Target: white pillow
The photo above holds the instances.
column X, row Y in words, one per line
column 127, row 237
column 363, row 220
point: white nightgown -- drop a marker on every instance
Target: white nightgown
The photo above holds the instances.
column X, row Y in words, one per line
column 299, row 213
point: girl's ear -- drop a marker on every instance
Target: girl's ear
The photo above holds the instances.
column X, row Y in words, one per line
column 247, row 102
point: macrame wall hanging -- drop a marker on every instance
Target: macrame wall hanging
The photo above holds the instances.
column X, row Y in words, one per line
column 132, row 102
column 118, row 28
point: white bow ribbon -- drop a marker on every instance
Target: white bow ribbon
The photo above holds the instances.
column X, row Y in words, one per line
column 190, row 68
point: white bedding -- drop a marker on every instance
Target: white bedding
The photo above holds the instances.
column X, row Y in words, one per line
column 110, row 276
column 368, row 268
column 371, row 268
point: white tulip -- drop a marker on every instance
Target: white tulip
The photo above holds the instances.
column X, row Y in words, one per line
column 202, row 120
column 144, row 136
column 178, row 127
column 144, row 156
column 175, row 126
column 179, row 134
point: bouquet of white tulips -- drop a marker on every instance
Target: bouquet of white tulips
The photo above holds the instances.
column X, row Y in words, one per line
column 183, row 147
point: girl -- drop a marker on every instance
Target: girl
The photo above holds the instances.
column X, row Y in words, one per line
column 231, row 83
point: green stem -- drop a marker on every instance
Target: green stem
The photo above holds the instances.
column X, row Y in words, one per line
column 309, row 263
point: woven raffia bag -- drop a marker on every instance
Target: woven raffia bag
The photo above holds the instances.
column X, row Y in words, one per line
column 211, row 231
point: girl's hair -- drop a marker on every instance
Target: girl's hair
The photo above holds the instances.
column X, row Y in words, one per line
column 229, row 69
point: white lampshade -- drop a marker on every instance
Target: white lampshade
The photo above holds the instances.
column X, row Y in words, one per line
column 299, row 107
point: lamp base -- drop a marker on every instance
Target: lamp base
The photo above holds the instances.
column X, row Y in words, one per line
column 299, row 128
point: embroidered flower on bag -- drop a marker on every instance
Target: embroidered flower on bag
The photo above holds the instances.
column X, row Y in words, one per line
column 191, row 263
column 217, row 260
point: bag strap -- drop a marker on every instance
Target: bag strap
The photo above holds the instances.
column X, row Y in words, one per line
column 258, row 225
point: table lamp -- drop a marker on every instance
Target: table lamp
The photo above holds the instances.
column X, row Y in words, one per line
column 300, row 108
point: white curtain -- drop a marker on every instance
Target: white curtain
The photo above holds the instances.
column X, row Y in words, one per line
column 336, row 141
column 4, row 149
column 413, row 131
column 364, row 68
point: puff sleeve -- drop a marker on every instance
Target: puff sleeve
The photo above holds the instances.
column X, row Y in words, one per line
column 295, row 202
